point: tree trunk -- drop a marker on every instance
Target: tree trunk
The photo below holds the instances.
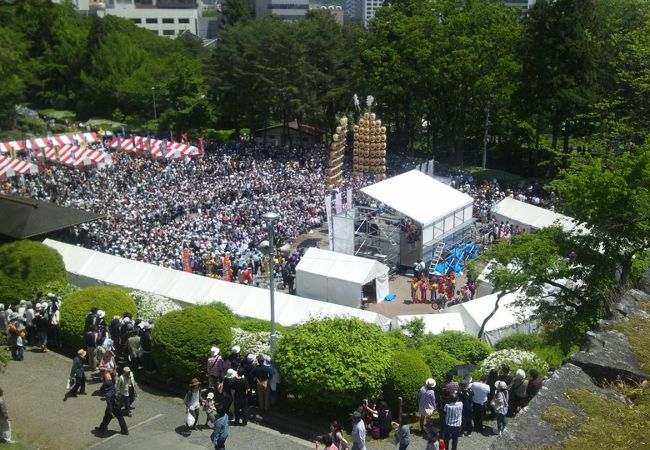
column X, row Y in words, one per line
column 494, row 311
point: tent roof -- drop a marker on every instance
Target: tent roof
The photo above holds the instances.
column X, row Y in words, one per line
column 340, row 266
column 433, row 323
column 245, row 301
column 531, row 215
column 398, row 193
column 475, row 311
column 24, row 218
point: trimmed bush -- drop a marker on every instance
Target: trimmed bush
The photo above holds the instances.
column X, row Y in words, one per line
column 438, row 361
column 515, row 359
column 75, row 307
column 521, row 341
column 552, row 353
column 397, row 341
column 331, row 364
column 258, row 326
column 462, row 346
column 26, row 267
column 407, row 373
column 181, row 340
column 225, row 310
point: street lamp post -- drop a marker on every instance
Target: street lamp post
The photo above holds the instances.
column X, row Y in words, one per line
column 153, row 94
column 271, row 218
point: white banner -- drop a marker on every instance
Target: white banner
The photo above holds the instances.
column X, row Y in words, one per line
column 330, row 231
column 348, row 200
column 339, row 203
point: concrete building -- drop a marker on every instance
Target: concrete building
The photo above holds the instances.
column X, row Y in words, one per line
column 284, row 9
column 336, row 11
column 163, row 17
column 370, row 7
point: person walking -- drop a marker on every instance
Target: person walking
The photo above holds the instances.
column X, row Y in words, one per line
column 221, row 430
column 426, row 401
column 480, row 392
column 125, row 387
column 5, row 423
column 500, row 405
column 113, row 409
column 193, row 403
column 77, row 372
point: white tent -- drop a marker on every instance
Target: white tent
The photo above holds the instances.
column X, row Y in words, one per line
column 509, row 319
column 443, row 212
column 529, row 216
column 87, row 268
column 433, row 323
column 339, row 278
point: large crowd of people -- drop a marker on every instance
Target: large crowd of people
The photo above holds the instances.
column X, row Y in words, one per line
column 213, row 205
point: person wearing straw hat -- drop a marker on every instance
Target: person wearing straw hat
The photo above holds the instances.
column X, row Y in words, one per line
column 192, row 402
column 77, row 372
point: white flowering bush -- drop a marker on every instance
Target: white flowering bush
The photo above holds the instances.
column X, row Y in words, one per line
column 515, row 359
column 152, row 306
column 253, row 342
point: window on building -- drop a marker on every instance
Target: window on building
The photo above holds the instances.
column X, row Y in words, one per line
column 168, row 32
column 183, row 20
column 168, row 21
column 152, row 20
column 136, row 20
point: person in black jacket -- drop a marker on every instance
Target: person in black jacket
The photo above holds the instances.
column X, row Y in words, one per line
column 240, row 389
column 113, row 409
column 77, row 372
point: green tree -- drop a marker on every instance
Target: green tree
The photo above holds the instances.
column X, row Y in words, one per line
column 13, row 52
column 332, row 363
column 407, row 373
column 559, row 58
column 235, row 12
column 610, row 197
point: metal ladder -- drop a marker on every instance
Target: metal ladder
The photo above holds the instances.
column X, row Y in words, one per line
column 437, row 256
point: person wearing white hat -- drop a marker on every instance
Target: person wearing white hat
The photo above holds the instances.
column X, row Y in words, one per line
column 500, row 404
column 426, row 401
column 214, row 367
column 125, row 390
column 210, row 408
column 518, row 392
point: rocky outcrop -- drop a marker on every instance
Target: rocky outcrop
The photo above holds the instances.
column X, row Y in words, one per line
column 604, row 355
column 529, row 430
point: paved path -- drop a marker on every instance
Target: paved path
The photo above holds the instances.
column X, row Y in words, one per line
column 34, row 392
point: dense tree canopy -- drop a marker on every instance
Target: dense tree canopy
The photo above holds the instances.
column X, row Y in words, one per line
column 447, row 76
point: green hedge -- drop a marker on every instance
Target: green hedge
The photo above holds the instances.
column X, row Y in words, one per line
column 438, row 361
column 258, row 325
column 225, row 310
column 181, row 340
column 407, row 374
column 540, row 344
column 331, row 364
column 26, row 267
column 462, row 346
column 113, row 301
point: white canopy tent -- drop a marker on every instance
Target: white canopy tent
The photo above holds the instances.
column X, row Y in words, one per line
column 433, row 323
column 509, row 319
column 339, row 278
column 529, row 216
column 443, row 217
column 88, row 268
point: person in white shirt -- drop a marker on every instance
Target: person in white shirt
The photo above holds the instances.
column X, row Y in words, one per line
column 358, row 432
column 481, row 391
